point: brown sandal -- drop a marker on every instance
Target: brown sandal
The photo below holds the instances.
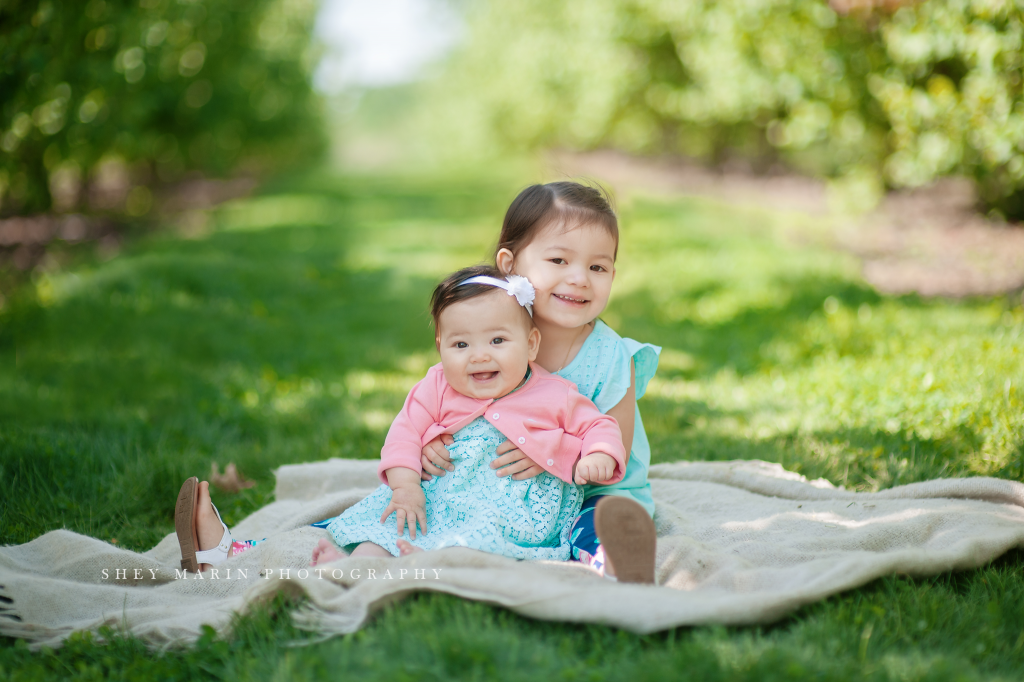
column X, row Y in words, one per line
column 188, row 538
column 627, row 534
column 185, row 523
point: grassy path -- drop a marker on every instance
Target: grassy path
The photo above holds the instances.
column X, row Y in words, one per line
column 292, row 329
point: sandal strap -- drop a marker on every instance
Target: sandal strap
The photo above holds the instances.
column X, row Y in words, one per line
column 220, row 553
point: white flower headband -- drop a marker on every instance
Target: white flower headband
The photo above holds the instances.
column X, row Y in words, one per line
column 514, row 285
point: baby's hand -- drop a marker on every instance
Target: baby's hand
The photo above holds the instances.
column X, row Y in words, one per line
column 411, row 505
column 596, row 467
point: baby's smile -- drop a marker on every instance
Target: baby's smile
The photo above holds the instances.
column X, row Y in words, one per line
column 486, row 344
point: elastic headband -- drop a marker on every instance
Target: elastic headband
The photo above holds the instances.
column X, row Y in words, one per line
column 514, row 285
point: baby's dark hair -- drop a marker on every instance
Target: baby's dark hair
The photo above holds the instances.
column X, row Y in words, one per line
column 452, row 290
column 568, row 203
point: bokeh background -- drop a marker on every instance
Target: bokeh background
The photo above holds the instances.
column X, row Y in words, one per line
column 220, row 221
column 116, row 114
column 872, row 94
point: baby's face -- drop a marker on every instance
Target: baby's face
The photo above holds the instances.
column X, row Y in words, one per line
column 486, row 345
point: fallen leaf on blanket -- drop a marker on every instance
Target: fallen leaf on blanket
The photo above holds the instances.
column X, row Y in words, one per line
column 229, row 481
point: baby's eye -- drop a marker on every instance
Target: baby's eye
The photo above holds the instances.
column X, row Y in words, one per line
column 497, row 339
column 557, row 261
column 462, row 344
column 598, row 268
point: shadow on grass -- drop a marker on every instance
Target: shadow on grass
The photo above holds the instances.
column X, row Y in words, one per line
column 866, row 458
column 183, row 329
column 742, row 342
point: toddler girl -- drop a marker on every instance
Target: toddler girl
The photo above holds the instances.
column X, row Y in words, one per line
column 484, row 391
column 563, row 237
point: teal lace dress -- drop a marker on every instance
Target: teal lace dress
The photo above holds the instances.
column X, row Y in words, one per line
column 471, row 507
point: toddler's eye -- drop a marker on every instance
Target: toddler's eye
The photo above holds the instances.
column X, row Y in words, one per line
column 496, row 340
column 462, row 344
column 598, row 268
column 557, row 261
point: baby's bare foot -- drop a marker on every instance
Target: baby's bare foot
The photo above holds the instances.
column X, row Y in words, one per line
column 325, row 552
column 405, row 548
column 208, row 528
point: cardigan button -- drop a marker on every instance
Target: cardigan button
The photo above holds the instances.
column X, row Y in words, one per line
column 521, row 440
column 495, row 415
column 551, row 462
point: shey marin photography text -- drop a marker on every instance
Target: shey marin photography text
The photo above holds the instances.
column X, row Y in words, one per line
column 320, row 573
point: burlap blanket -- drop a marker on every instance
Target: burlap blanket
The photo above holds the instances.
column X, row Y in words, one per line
column 739, row 542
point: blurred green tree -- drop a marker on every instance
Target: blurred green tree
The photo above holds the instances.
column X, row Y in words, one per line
column 148, row 90
column 871, row 93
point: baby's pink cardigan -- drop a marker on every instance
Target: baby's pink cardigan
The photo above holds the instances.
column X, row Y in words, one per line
column 547, row 419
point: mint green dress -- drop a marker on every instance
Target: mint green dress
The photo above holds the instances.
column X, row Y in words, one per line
column 600, row 371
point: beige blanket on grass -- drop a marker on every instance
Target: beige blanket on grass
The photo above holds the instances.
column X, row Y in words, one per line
column 738, row 543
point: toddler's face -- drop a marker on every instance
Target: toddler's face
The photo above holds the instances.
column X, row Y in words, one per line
column 571, row 271
column 486, row 344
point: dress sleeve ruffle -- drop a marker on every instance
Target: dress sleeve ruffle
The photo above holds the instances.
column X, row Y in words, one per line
column 616, row 354
column 645, row 359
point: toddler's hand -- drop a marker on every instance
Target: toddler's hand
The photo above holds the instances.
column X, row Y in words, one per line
column 435, row 459
column 411, row 505
column 512, row 462
column 596, row 467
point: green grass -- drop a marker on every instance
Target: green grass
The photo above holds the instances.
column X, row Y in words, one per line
column 291, row 331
